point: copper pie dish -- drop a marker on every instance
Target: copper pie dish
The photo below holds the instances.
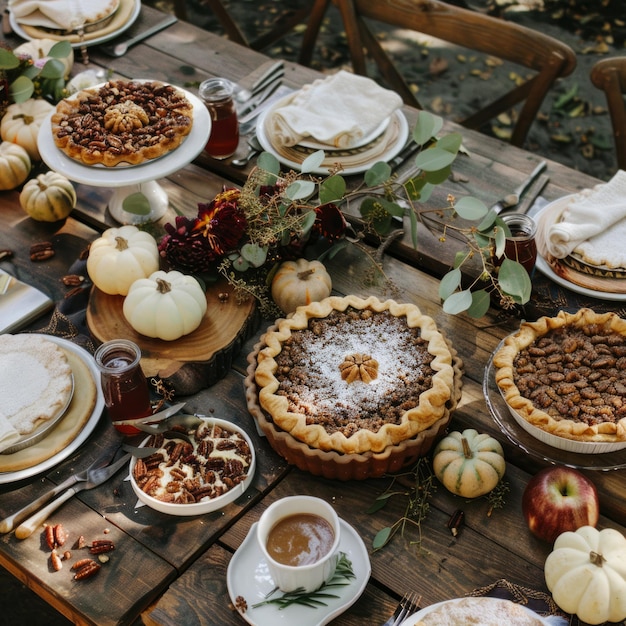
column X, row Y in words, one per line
column 348, row 466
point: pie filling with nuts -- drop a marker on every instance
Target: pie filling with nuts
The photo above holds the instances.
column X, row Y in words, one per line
column 354, row 375
column 567, row 375
column 204, row 463
column 122, row 122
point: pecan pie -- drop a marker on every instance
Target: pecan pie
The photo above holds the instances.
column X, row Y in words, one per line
column 355, row 376
column 567, row 375
column 122, row 122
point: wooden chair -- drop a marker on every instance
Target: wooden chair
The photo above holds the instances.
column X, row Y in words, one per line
column 547, row 57
column 282, row 27
column 610, row 75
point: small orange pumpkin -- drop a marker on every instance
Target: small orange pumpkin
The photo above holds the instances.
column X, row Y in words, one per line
column 300, row 282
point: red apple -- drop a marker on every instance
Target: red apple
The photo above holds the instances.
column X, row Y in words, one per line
column 559, row 499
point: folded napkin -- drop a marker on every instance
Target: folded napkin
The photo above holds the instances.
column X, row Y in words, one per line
column 8, row 434
column 562, row 229
column 66, row 15
column 337, row 111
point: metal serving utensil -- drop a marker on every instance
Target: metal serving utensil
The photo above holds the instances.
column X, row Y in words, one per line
column 512, row 199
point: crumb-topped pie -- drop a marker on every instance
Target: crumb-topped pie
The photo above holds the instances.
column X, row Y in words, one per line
column 355, row 376
column 567, row 375
column 122, row 122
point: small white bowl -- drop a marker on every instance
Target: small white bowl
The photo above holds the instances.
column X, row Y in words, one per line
column 569, row 445
column 205, row 506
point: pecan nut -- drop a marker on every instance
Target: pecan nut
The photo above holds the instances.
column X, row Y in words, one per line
column 87, row 569
column 41, row 251
column 73, row 280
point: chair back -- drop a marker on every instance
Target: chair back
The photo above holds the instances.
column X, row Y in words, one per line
column 547, row 57
column 609, row 74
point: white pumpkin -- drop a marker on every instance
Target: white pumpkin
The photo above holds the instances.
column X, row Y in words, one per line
column 48, row 197
column 120, row 256
column 39, row 49
column 300, row 282
column 14, row 165
column 166, row 305
column 21, row 122
column 586, row 573
column 469, row 463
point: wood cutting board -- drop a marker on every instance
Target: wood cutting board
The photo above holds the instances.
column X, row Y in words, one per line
column 194, row 361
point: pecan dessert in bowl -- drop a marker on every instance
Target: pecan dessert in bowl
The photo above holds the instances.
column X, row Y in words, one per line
column 350, row 388
column 195, row 470
column 127, row 122
column 563, row 379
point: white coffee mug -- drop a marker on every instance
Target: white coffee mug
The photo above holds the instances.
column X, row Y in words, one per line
column 299, row 577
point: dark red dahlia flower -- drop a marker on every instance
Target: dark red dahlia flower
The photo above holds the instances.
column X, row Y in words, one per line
column 330, row 222
column 183, row 248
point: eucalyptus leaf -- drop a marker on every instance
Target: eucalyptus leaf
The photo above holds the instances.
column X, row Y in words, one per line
column 254, row 254
column 381, row 538
column 451, row 143
column 459, row 258
column 449, row 283
column 307, row 221
column 458, row 302
column 480, row 304
column 434, row 159
column 414, row 187
column 52, row 69
column 471, row 208
column 439, row 176
column 488, row 221
column 300, row 189
column 61, row 49
column 427, row 127
column 332, row 189
column 137, row 204
column 377, row 174
column 269, row 163
column 500, row 237
column 240, row 264
column 312, row 162
column 514, row 281
column 8, row 61
column 21, row 89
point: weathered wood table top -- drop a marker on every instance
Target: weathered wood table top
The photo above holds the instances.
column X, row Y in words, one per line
column 172, row 570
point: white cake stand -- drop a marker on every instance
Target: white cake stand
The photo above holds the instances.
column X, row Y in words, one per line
column 126, row 180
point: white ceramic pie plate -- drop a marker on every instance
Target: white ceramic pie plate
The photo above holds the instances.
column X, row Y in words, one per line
column 553, row 620
column 248, row 577
column 206, row 506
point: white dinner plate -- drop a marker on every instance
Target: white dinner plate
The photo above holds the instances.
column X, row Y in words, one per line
column 548, row 621
column 117, row 176
column 81, row 353
column 96, row 40
column 248, row 577
column 544, row 267
column 392, row 151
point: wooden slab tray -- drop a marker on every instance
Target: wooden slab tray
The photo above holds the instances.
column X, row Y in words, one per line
column 195, row 361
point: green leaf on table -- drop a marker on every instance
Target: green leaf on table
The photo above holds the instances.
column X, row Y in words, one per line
column 332, row 189
column 451, row 143
column 567, row 97
column 377, row 174
column 515, row 281
column 427, row 127
column 487, row 222
column 269, row 163
column 500, row 237
column 253, row 253
column 381, row 538
column 480, row 304
column 312, row 162
column 450, row 282
column 137, row 204
column 240, row 264
column 21, row 89
column 458, row 302
column 439, row 176
column 471, row 208
column 434, row 159
column 300, row 189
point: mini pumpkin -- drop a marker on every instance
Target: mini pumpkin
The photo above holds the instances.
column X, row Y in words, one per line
column 469, row 463
column 119, row 257
column 14, row 165
column 49, row 197
column 586, row 573
column 21, row 122
column 300, row 282
column 166, row 305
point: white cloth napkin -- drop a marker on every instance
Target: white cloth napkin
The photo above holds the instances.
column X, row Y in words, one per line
column 61, row 14
column 593, row 211
column 336, row 111
column 8, row 434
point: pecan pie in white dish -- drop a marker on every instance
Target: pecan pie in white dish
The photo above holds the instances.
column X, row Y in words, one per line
column 351, row 381
column 122, row 122
column 566, row 376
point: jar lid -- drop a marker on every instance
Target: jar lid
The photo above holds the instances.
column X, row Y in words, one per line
column 216, row 89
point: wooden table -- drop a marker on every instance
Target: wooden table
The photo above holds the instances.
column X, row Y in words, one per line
column 170, row 570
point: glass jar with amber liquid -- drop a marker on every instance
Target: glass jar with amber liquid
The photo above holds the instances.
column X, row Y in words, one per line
column 124, row 386
column 217, row 94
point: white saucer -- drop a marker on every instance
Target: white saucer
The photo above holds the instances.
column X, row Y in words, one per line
column 249, row 578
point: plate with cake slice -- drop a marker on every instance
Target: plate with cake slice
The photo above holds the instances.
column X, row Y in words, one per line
column 55, row 406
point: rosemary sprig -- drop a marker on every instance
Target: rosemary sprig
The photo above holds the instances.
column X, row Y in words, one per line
column 314, row 599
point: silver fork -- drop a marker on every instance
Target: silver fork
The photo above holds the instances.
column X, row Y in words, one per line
column 407, row 605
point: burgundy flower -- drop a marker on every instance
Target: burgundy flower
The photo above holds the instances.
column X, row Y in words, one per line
column 221, row 222
column 330, row 222
column 185, row 249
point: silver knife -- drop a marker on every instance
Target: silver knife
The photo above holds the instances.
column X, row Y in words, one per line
column 87, row 480
column 120, row 48
column 512, row 199
column 157, row 417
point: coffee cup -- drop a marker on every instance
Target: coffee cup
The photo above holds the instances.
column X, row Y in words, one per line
column 299, row 538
